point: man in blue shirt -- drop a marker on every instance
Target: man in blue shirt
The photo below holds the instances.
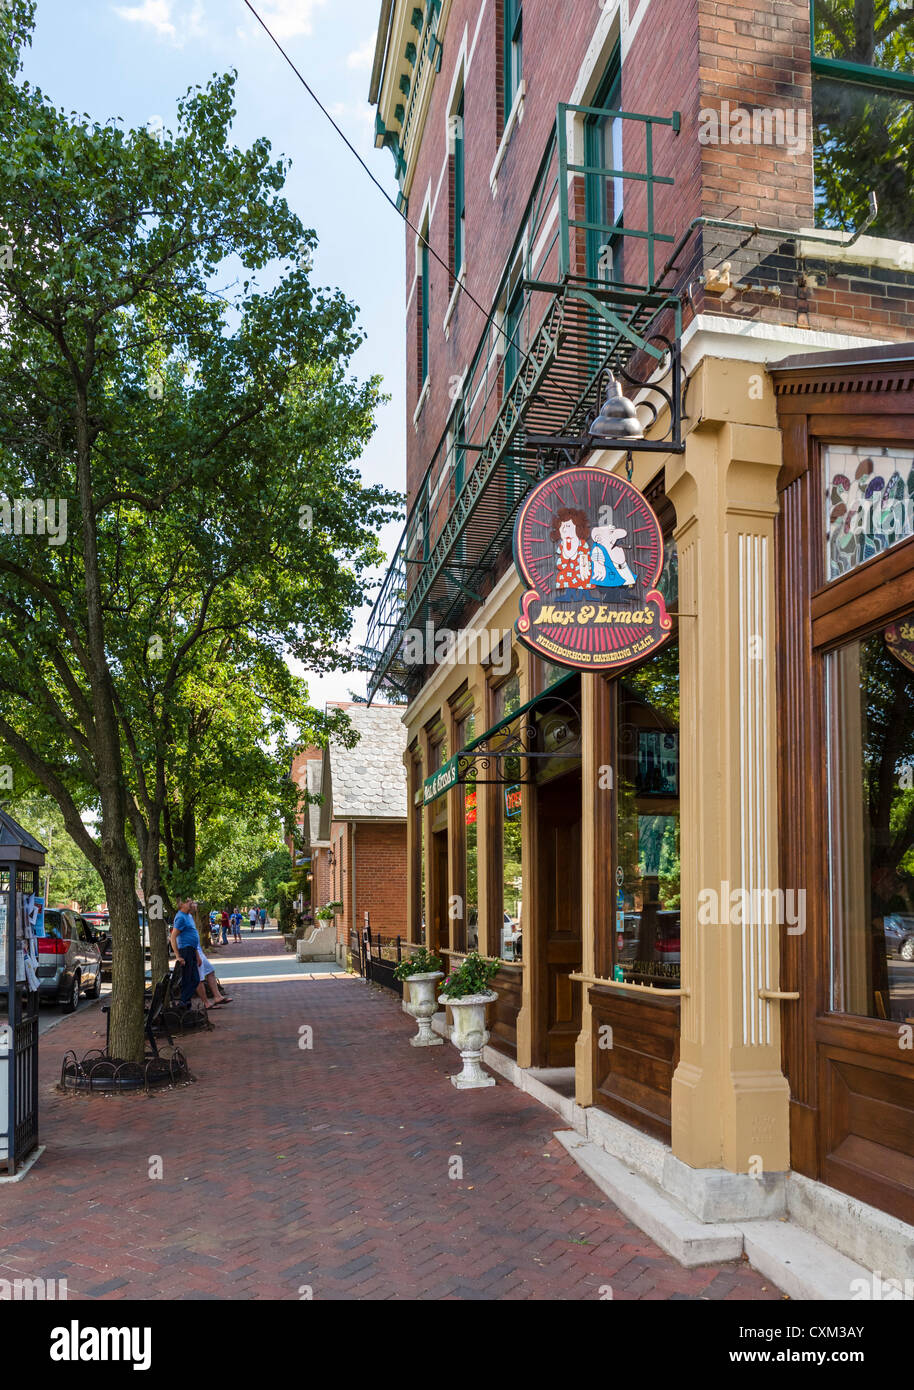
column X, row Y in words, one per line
column 185, row 942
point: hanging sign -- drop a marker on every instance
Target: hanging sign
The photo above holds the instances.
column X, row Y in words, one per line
column 440, row 781
column 590, row 548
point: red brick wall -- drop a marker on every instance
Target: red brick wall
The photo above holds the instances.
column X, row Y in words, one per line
column 380, row 876
column 687, row 57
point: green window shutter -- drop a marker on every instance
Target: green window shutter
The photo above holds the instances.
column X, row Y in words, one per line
column 425, row 306
column 513, row 55
column 459, row 192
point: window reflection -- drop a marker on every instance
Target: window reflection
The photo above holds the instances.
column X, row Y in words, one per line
column 469, row 937
column 647, row 888
column 863, row 142
column 870, row 686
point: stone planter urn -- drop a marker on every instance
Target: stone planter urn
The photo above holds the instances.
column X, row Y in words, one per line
column 470, row 1035
column 422, row 1006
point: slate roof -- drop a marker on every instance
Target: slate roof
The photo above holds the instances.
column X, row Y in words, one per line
column 368, row 782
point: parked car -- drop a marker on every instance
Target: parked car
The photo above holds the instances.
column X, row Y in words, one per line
column 69, row 959
column 899, row 934
column 104, row 939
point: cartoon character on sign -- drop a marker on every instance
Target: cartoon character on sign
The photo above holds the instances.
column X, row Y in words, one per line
column 609, row 567
column 569, row 531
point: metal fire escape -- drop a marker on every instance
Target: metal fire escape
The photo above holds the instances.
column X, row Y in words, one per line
column 535, row 383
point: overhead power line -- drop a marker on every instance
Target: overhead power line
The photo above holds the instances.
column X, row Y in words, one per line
column 489, row 318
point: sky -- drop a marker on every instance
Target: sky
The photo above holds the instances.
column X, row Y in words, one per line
column 135, row 60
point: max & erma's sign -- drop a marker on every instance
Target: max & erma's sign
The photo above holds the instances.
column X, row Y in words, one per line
column 590, row 548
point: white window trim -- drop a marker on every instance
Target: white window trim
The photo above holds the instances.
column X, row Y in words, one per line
column 423, row 397
column 452, row 302
column 515, row 116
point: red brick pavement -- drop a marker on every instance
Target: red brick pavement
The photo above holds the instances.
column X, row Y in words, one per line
column 288, row 1169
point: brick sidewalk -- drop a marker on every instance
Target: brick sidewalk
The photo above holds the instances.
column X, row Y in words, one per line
column 287, row 1169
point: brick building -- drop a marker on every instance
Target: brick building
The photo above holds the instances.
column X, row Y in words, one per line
column 359, row 843
column 305, row 773
column 663, row 253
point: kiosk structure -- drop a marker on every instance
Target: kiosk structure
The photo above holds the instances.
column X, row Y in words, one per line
column 21, row 858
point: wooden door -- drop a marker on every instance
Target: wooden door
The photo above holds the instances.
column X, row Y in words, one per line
column 559, row 906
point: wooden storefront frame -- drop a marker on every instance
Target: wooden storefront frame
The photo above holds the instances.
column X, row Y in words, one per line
column 827, row 1055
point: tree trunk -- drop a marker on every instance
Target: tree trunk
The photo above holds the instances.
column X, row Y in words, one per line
column 157, row 906
column 127, row 1021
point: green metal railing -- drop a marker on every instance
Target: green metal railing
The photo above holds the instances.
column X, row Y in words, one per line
column 648, row 177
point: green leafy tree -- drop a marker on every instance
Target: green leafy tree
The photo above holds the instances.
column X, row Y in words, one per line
column 67, row 875
column 203, row 443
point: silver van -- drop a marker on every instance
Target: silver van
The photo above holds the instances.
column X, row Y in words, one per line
column 69, row 960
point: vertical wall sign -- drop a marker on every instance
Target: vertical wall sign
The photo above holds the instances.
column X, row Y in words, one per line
column 590, row 548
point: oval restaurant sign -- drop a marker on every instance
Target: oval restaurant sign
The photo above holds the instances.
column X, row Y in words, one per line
column 591, row 549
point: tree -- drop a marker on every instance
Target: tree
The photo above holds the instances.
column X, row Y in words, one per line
column 67, row 873
column 202, row 442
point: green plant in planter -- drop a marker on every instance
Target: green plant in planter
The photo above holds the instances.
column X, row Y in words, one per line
column 325, row 913
column 471, row 977
column 421, row 962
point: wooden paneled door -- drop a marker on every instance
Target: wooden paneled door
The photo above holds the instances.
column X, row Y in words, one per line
column 559, row 905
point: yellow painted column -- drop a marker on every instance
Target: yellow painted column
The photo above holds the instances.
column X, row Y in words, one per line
column 729, row 1096
column 529, row 922
column 596, row 808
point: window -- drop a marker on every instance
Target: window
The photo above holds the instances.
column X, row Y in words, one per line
column 603, row 193
column 469, row 925
column 516, row 481
column 869, row 503
column 506, row 699
column 458, row 191
column 863, row 113
column 512, row 329
column 513, row 53
column 870, row 699
column 647, row 886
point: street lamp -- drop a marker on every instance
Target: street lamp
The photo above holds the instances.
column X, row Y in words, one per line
column 618, row 419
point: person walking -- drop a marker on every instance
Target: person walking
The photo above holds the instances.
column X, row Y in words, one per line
column 252, row 918
column 236, row 924
column 263, row 918
column 225, row 926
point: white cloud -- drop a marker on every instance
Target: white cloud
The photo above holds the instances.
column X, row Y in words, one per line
column 154, row 12
column 287, row 19
column 162, row 17
column 362, row 58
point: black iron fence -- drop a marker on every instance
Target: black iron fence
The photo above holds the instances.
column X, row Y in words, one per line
column 376, row 957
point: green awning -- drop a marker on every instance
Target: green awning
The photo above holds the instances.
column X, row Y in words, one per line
column 447, row 775
column 522, row 709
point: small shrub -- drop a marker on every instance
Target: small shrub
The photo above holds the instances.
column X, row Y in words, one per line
column 471, row 977
column 419, row 963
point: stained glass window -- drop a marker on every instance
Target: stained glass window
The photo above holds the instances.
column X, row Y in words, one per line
column 869, row 503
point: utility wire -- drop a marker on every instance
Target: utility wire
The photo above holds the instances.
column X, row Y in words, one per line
column 490, row 318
